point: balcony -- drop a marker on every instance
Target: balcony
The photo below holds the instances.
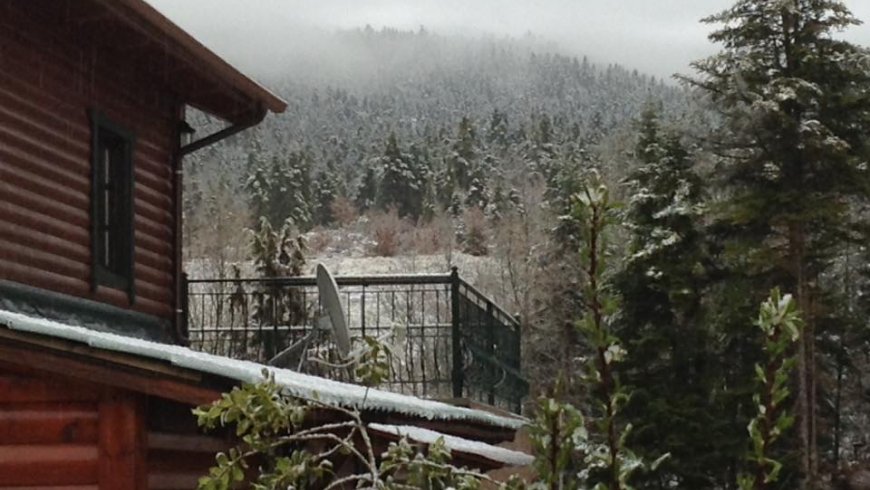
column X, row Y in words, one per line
column 431, row 321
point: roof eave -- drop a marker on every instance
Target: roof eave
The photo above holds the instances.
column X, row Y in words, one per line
column 138, row 10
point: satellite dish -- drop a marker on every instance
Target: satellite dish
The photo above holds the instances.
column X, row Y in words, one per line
column 329, row 301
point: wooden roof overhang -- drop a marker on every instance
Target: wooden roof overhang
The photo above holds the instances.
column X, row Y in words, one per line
column 137, row 33
column 70, row 359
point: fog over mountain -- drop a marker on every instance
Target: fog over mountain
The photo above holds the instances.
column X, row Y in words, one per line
column 657, row 37
column 542, row 147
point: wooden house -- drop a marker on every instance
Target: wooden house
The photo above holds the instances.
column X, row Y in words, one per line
column 93, row 391
column 92, row 99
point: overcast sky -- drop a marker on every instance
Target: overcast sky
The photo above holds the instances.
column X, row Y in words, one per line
column 659, row 37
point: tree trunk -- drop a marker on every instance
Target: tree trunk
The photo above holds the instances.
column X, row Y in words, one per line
column 806, row 360
column 813, row 391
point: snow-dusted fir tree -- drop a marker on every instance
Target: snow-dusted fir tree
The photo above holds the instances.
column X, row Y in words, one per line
column 326, row 188
column 367, row 192
column 478, row 193
column 661, row 285
column 400, row 185
column 541, row 151
column 464, row 157
column 281, row 189
column 795, row 102
column 276, row 252
column 498, row 131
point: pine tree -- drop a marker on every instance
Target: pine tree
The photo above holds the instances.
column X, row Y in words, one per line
column 661, row 286
column 568, row 180
column 796, row 110
column 281, row 189
column 326, row 188
column 443, row 188
column 277, row 253
column 542, row 153
column 498, row 128
column 367, row 192
column 465, row 153
column 400, row 186
column 500, row 204
column 478, row 195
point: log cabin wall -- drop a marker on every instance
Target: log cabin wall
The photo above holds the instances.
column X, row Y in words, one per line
column 57, row 433
column 179, row 454
column 50, row 77
column 48, row 433
column 60, row 434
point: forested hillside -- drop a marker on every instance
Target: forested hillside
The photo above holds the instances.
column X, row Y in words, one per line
column 420, row 122
column 634, row 225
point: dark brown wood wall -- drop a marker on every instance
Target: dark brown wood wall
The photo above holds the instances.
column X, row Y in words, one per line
column 46, row 441
column 177, row 461
column 179, row 454
column 58, row 433
column 50, row 76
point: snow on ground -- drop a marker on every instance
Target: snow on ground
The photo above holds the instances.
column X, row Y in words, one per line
column 348, row 252
column 469, row 266
column 481, row 272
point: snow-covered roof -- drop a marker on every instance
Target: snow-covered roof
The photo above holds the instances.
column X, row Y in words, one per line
column 488, row 451
column 296, row 384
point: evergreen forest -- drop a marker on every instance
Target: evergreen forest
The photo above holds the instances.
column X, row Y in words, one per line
column 631, row 219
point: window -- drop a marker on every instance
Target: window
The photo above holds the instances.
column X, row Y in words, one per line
column 112, row 240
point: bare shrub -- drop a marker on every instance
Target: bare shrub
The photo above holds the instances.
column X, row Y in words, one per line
column 475, row 232
column 344, row 211
column 535, row 278
column 386, row 229
column 318, row 240
column 434, row 236
column 214, row 237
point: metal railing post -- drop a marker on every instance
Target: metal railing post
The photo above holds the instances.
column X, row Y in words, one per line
column 184, row 311
column 363, row 312
column 456, row 362
column 490, row 350
column 518, row 355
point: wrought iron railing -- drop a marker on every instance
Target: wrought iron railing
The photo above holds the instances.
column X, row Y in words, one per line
column 430, row 320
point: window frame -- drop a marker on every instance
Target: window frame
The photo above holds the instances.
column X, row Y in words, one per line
column 121, row 276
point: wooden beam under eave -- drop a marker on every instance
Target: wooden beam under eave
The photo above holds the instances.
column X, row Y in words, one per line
column 127, row 360
column 104, row 372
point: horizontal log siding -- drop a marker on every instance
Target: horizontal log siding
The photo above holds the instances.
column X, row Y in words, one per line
column 49, row 433
column 57, row 433
column 178, row 452
column 180, row 469
column 49, row 78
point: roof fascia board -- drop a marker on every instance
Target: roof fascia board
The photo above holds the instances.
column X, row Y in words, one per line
column 168, row 33
column 102, row 370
